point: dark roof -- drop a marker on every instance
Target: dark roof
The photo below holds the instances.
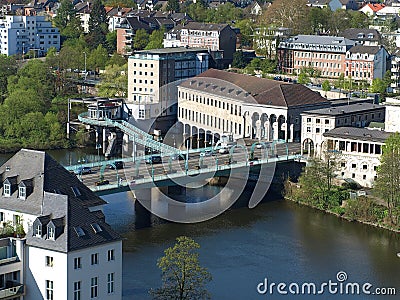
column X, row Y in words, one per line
column 248, row 88
column 357, row 133
column 65, row 210
column 364, row 49
column 204, row 26
column 136, row 23
column 345, row 109
column 361, row 34
column 47, row 175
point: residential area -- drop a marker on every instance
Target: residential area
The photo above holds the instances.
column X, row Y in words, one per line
column 310, row 85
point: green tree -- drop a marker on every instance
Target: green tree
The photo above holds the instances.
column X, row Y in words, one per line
column 111, row 38
column 67, row 20
column 141, row 39
column 8, row 67
column 326, row 86
column 387, row 183
column 173, row 5
column 182, row 275
column 303, row 78
column 97, row 58
column 116, row 60
column 98, row 27
column 246, row 32
column 224, row 14
column 238, row 60
column 156, row 39
column 114, row 81
column 197, row 11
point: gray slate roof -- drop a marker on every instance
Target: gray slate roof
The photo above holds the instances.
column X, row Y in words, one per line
column 52, row 197
column 251, row 89
column 354, row 34
column 321, row 40
column 357, row 133
column 365, row 49
column 345, row 109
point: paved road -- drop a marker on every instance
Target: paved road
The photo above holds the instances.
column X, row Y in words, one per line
column 131, row 169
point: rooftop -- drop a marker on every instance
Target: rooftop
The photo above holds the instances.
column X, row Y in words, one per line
column 171, row 50
column 365, row 49
column 252, row 89
column 357, row 133
column 345, row 109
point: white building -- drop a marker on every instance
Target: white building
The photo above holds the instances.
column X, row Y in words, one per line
column 153, row 76
column 218, row 102
column 358, row 151
column 19, row 34
column 70, row 252
column 392, row 116
column 319, row 121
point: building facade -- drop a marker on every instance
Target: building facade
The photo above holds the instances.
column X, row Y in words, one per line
column 70, row 252
column 319, row 121
column 153, row 76
column 358, row 152
column 21, row 34
column 324, row 53
column 266, row 39
column 219, row 39
column 217, row 103
column 392, row 123
column 365, row 63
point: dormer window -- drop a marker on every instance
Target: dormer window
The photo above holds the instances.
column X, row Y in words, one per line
column 22, row 192
column 7, row 189
column 50, row 233
column 38, row 230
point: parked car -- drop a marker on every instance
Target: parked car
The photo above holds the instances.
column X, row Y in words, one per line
column 155, row 159
column 119, row 164
column 102, row 182
column 83, row 171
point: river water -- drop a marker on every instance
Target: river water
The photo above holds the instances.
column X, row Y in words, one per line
column 277, row 240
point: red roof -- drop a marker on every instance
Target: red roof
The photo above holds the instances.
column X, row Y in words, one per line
column 375, row 6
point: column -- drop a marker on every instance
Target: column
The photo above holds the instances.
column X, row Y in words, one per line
column 291, row 133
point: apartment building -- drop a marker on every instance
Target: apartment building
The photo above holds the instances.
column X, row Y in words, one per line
column 70, row 252
column 392, row 114
column 324, row 53
column 153, row 76
column 21, row 34
column 319, row 121
column 365, row 63
column 358, row 151
column 266, row 39
column 363, row 36
column 219, row 39
column 218, row 102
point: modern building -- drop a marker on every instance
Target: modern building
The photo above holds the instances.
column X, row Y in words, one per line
column 218, row 102
column 395, row 71
column 153, row 76
column 21, row 34
column 316, row 122
column 365, row 63
column 358, row 151
column 70, row 252
column 219, row 39
column 324, row 53
column 392, row 122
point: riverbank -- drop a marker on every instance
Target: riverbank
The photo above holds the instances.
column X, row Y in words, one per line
column 343, row 215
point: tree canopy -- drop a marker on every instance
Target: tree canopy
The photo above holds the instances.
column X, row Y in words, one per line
column 182, row 275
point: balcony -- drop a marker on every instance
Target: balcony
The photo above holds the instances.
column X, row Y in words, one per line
column 12, row 290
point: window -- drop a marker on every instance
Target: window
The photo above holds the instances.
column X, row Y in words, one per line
column 2, row 217
column 327, row 122
column 22, row 192
column 364, row 177
column 50, row 233
column 353, row 166
column 95, row 258
column 365, row 167
column 7, row 190
column 308, row 120
column 49, row 261
column 49, row 290
column 317, row 130
column 93, row 287
column 317, row 121
column 110, row 283
column 343, row 164
column 39, row 230
column 77, row 290
column 308, row 129
column 110, row 255
column 77, row 263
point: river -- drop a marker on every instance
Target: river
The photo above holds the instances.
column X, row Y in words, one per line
column 277, row 240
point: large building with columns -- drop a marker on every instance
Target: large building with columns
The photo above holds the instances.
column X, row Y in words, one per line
column 217, row 102
column 359, row 151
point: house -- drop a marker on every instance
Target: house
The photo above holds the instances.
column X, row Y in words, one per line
column 315, row 122
column 218, row 102
column 365, row 63
column 392, row 122
column 266, row 39
column 358, row 151
column 324, row 53
column 363, row 36
column 83, row 9
column 220, row 39
column 21, row 34
column 116, row 15
column 69, row 251
column 370, row 9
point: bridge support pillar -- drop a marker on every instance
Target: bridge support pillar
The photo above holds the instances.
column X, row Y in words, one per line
column 104, row 140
